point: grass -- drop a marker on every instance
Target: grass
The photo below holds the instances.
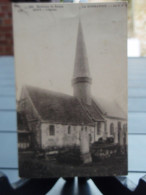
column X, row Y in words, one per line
column 30, row 166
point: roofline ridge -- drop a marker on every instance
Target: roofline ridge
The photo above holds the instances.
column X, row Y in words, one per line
column 47, row 90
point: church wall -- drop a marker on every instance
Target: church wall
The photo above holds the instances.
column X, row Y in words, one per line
column 115, row 135
column 64, row 135
column 25, row 106
column 90, row 132
column 99, row 130
column 34, row 127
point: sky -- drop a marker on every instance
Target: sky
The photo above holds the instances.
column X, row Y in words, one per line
column 45, row 37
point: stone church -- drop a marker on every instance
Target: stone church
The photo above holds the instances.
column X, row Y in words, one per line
column 48, row 119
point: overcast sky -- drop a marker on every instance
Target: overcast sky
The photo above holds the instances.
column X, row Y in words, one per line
column 45, row 43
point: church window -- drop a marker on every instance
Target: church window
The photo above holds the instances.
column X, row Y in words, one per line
column 98, row 128
column 119, row 125
column 125, row 127
column 111, row 129
column 90, row 138
column 69, row 130
column 51, row 130
column 119, row 131
column 85, row 128
column 125, row 134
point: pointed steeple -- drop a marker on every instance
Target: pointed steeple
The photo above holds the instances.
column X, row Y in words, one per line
column 81, row 76
column 81, row 68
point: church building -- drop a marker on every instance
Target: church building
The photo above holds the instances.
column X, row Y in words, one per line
column 56, row 120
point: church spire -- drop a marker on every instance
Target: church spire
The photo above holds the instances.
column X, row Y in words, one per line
column 81, row 76
column 81, row 68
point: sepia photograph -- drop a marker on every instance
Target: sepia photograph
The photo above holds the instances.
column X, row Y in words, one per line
column 71, row 89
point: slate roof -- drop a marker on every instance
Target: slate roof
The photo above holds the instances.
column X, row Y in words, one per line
column 61, row 108
column 109, row 108
column 92, row 112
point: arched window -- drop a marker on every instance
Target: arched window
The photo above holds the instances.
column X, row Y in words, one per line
column 119, row 131
column 69, row 130
column 111, row 129
column 98, row 128
column 119, row 125
column 125, row 134
column 125, row 128
column 51, row 130
column 90, row 138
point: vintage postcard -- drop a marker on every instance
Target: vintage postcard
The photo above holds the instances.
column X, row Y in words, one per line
column 71, row 88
